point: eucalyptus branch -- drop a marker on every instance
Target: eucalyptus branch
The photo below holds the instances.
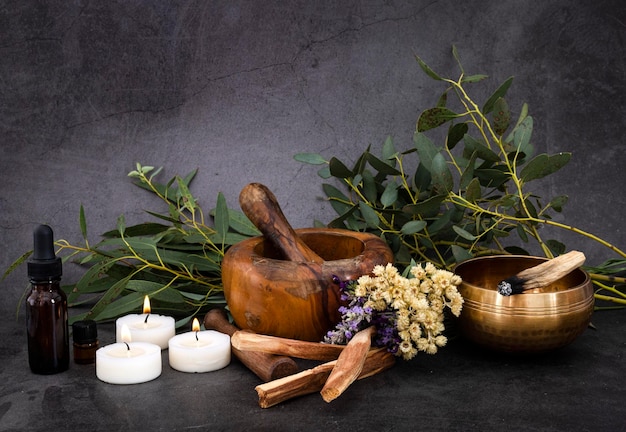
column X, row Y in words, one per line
column 459, row 200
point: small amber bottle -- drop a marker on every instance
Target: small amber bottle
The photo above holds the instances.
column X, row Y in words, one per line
column 46, row 308
column 85, row 337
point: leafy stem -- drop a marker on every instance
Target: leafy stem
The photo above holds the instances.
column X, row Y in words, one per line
column 466, row 195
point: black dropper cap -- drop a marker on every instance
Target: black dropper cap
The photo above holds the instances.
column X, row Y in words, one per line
column 44, row 264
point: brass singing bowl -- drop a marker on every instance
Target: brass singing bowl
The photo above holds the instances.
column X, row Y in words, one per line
column 535, row 321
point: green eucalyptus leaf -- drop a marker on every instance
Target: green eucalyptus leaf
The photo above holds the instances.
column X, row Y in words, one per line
column 456, row 132
column 339, row 202
column 369, row 215
column 492, row 177
column 129, row 303
column 532, row 210
column 472, row 145
column 422, row 178
column 426, row 150
column 164, row 217
column 543, row 165
column 460, row 253
column 463, row 233
column 192, row 296
column 440, row 224
column 499, row 93
column 455, row 54
column 389, row 151
column 558, row 202
column 361, row 163
column 189, row 177
column 188, row 200
column 427, row 70
column 443, row 100
column 522, row 116
column 370, row 187
column 310, row 158
column 521, row 136
column 168, row 295
column 107, row 298
column 434, row 117
column 474, row 78
column 156, row 173
column 521, row 232
column 516, row 250
column 468, row 173
column 121, row 225
column 240, row 223
column 556, row 247
column 15, row 264
column 381, row 166
column 413, row 227
column 390, row 195
column 338, row 169
column 347, row 218
column 144, row 229
column 427, row 208
column 222, row 217
column 324, row 172
column 442, row 177
column 501, row 116
column 508, row 201
column 473, row 192
column 82, row 222
column 228, row 239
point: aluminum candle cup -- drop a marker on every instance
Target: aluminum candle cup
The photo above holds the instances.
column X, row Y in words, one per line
column 535, row 321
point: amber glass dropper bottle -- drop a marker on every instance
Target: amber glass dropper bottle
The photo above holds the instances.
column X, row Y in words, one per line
column 46, row 308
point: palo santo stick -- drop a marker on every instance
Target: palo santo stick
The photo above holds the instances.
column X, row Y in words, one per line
column 246, row 341
column 312, row 380
column 541, row 275
column 349, row 364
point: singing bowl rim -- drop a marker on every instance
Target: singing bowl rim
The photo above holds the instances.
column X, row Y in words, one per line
column 579, row 273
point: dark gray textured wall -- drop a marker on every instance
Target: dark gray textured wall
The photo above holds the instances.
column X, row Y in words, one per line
column 236, row 88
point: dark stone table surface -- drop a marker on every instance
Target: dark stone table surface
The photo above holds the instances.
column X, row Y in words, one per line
column 462, row 388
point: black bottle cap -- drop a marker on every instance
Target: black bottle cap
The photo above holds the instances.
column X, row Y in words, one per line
column 44, row 264
column 84, row 331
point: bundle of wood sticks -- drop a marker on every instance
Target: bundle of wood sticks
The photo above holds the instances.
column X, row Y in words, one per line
column 343, row 364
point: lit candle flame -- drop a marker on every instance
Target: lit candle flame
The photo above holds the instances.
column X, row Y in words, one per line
column 146, row 305
column 126, row 336
column 195, row 326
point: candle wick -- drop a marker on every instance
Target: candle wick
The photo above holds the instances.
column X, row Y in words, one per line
column 197, row 336
column 146, row 320
column 127, row 346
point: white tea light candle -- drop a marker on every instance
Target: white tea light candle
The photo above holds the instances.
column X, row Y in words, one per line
column 128, row 362
column 199, row 351
column 147, row 327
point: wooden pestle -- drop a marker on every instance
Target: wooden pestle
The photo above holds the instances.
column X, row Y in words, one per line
column 268, row 367
column 261, row 206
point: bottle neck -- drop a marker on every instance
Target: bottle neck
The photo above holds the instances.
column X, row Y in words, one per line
column 51, row 283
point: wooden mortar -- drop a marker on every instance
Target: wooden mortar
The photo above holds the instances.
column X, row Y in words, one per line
column 283, row 283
